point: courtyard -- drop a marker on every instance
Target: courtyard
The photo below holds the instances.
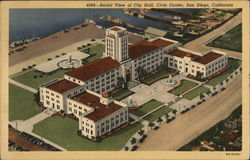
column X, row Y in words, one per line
column 34, row 79
column 51, row 130
column 147, row 107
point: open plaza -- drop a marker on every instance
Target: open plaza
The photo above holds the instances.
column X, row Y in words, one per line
column 95, row 103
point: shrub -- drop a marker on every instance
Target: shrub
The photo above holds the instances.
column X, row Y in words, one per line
column 222, row 89
column 126, row 148
column 92, row 39
column 57, row 56
column 29, row 67
column 134, row 148
column 49, row 59
column 34, row 76
column 156, row 127
column 88, row 44
column 24, row 69
column 40, row 75
column 63, row 53
column 79, row 48
column 199, row 103
column 33, row 65
column 193, row 106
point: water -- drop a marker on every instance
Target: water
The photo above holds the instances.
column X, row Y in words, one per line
column 28, row 23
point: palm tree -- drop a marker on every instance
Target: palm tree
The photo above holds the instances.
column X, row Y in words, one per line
column 133, row 140
column 159, row 120
column 141, row 132
column 151, row 124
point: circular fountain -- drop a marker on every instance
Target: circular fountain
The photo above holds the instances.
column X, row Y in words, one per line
column 170, row 80
column 69, row 63
column 130, row 102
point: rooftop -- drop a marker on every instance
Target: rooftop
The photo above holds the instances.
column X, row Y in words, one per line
column 156, row 31
column 62, row 86
column 209, row 57
column 143, row 47
column 116, row 29
column 100, row 110
column 93, row 69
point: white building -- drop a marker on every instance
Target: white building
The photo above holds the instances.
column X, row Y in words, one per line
column 190, row 62
column 101, row 113
column 80, row 91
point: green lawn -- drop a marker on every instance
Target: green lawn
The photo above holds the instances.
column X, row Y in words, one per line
column 95, row 52
column 233, row 63
column 196, row 92
column 28, row 79
column 232, row 40
column 63, row 131
column 21, row 104
column 185, row 85
column 159, row 113
column 157, row 76
column 147, row 107
column 122, row 94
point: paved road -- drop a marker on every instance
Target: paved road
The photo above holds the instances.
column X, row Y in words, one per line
column 174, row 135
column 198, row 44
column 22, row 86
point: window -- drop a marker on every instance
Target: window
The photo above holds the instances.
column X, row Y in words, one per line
column 70, row 109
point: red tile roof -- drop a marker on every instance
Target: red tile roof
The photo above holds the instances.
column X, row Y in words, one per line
column 200, row 59
column 100, row 110
column 62, row 86
column 93, row 69
column 143, row 47
column 115, row 29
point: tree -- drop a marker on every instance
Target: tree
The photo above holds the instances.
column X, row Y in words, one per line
column 221, row 83
column 174, row 111
column 84, row 61
column 201, row 96
column 120, row 82
column 151, row 124
column 166, row 116
column 126, row 148
column 37, row 96
column 141, row 132
column 133, row 140
column 164, row 65
column 159, row 120
column 140, row 71
column 199, row 75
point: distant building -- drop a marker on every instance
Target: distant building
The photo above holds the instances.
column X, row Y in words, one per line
column 230, row 124
column 152, row 32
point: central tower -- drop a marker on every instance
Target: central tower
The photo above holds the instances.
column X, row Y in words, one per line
column 116, row 43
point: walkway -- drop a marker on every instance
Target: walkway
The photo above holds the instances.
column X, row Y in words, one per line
column 22, row 86
column 198, row 44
